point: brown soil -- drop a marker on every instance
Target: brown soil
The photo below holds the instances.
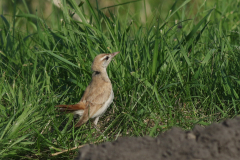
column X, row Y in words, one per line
column 215, row 142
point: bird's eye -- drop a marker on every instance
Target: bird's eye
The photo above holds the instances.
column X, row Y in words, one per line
column 107, row 58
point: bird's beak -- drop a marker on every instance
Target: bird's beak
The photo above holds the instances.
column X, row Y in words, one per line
column 114, row 54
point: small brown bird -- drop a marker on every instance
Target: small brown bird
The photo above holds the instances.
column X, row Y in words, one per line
column 98, row 95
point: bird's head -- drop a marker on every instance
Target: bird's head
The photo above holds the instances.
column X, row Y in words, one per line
column 101, row 61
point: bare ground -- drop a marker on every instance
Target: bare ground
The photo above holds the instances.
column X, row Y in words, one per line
column 215, row 142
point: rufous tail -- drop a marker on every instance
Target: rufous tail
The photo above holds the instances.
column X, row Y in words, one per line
column 71, row 108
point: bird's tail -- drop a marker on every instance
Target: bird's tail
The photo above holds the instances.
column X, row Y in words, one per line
column 71, row 108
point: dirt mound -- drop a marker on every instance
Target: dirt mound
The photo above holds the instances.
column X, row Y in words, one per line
column 214, row 142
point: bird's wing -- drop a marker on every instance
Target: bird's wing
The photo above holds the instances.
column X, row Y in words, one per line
column 99, row 94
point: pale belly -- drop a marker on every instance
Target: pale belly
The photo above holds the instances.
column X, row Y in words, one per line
column 104, row 108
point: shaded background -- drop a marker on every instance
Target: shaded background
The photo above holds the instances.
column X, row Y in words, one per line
column 140, row 10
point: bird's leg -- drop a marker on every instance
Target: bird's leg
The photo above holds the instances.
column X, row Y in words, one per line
column 95, row 126
column 96, row 121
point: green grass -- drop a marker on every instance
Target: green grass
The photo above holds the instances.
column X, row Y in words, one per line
column 167, row 74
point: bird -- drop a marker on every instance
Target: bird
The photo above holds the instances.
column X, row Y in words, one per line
column 98, row 95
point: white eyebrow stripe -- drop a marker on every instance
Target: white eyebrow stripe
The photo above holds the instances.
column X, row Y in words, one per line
column 103, row 57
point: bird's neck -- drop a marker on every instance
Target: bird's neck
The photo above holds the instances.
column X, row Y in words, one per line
column 102, row 74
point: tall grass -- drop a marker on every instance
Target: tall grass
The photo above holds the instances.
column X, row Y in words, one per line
column 173, row 72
